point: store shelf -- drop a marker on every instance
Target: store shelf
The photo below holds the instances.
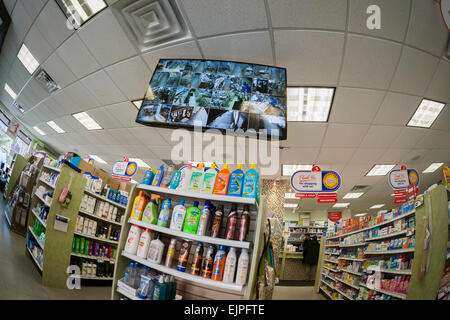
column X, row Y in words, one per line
column 332, row 261
column 105, row 199
column 352, row 272
column 390, row 251
column 348, row 284
column 352, row 245
column 42, row 199
column 92, row 257
column 199, row 195
column 36, row 237
column 126, row 294
column 39, row 218
column 332, row 245
column 332, row 270
column 350, row 259
column 327, row 276
column 328, row 285
column 391, row 235
column 52, row 168
column 185, row 235
column 96, row 278
column 406, row 271
column 333, row 253
column 326, row 293
column 47, row 183
column 99, row 218
column 348, row 297
column 95, row 238
column 184, row 275
column 393, row 294
column 34, row 259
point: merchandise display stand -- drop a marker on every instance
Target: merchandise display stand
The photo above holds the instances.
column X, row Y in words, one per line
column 190, row 286
column 18, row 166
column 333, row 278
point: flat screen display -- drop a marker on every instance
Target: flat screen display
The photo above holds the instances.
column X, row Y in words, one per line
column 216, row 94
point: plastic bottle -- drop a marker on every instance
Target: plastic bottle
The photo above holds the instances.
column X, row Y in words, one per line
column 244, row 223
column 141, row 272
column 192, row 219
column 185, row 178
column 217, row 222
column 242, row 268
column 132, row 243
column 144, row 287
column 179, row 212
column 197, row 260
column 144, row 243
column 138, row 206
column 167, row 287
column 231, row 223
column 173, row 288
column 175, row 180
column 150, row 214
column 133, row 274
column 196, row 178
column 167, row 177
column 158, row 290
column 209, row 179
column 208, row 262
column 204, row 218
column 128, row 270
column 251, row 180
column 165, row 214
column 230, row 266
column 219, row 264
column 184, row 255
column 170, row 253
column 235, row 186
column 222, row 181
column 155, row 251
column 158, row 176
column 148, row 176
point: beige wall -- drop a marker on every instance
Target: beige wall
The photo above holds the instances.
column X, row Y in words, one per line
column 316, row 215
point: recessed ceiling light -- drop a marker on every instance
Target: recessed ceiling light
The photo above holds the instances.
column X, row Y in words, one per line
column 433, row 167
column 426, row 113
column 290, row 205
column 10, row 91
column 138, row 104
column 341, row 205
column 42, row 133
column 289, row 169
column 309, row 104
column 27, row 59
column 289, row 195
column 353, row 195
column 380, row 170
column 377, row 206
column 360, row 214
column 87, row 121
column 97, row 158
column 139, row 162
column 55, row 127
column 79, row 11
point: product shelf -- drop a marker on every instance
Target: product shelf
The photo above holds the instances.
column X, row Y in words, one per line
column 332, row 261
column 39, row 218
column 47, row 183
column 332, row 245
column 406, row 271
column 390, row 251
column 96, row 278
column 352, row 272
column 99, row 218
column 391, row 235
column 327, row 293
column 34, row 259
column 104, row 199
column 51, row 168
column 42, row 199
column 126, row 294
column 332, row 253
column 92, row 257
column 327, row 276
column 184, row 275
column 390, row 293
column 126, row 290
column 352, row 245
column 96, row 238
column 348, row 297
column 348, row 284
column 199, row 195
column 350, row 259
column 185, row 235
column 41, row 244
column 328, row 285
column 330, row 269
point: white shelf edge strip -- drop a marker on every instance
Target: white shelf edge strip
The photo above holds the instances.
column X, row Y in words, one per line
column 100, row 218
column 42, row 199
column 126, row 294
column 34, row 258
column 185, row 235
column 351, row 259
column 90, row 257
column 52, row 168
column 96, row 278
column 387, row 236
column 47, row 183
column 36, row 238
column 95, row 238
column 39, row 218
column 390, row 251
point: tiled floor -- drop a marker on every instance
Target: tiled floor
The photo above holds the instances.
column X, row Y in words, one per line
column 296, row 293
column 20, row 279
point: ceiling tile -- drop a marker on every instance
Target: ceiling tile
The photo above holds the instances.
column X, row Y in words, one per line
column 252, row 47
column 33, row 7
column 304, row 134
column 320, row 52
column 435, row 139
column 82, row 98
column 70, row 124
column 395, row 154
column 52, row 24
column 414, row 72
column 100, row 137
column 21, row 21
column 427, row 30
column 335, row 155
column 397, row 109
column 351, row 171
column 369, row 62
column 103, row 88
column 55, row 106
column 58, row 70
column 122, row 136
column 299, row 155
column 104, row 117
column 366, row 156
column 18, row 76
column 147, row 136
column 344, row 135
column 125, row 114
column 106, row 39
column 439, row 87
column 322, row 14
column 38, row 46
column 443, row 120
column 64, row 102
column 352, row 105
column 224, row 16
column 409, row 137
column 131, row 76
column 380, row 136
column 9, row 4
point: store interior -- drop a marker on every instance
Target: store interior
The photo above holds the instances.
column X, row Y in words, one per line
column 163, row 150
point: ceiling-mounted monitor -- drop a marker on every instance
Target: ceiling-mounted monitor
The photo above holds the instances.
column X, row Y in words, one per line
column 214, row 94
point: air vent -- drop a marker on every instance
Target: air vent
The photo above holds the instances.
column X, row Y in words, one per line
column 360, row 188
column 152, row 23
column 46, row 81
column 18, row 107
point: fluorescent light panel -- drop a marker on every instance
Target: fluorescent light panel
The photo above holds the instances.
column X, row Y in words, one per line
column 341, row 205
column 97, row 158
column 433, row 167
column 55, row 127
column 309, row 104
column 10, row 91
column 42, row 133
column 138, row 104
column 82, row 10
column 353, row 195
column 377, row 206
column 289, row 169
column 87, row 121
column 290, row 205
column 360, row 214
column 426, row 113
column 27, row 59
column 380, row 170
column 139, row 162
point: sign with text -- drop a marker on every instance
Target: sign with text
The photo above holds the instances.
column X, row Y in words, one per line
column 335, row 216
column 322, row 184
column 124, row 170
column 401, row 179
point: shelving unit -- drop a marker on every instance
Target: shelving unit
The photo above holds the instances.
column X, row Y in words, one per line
column 34, row 259
column 390, row 251
column 93, row 216
column 91, row 257
column 39, row 218
column 391, row 235
column 41, row 244
column 95, row 238
column 348, row 284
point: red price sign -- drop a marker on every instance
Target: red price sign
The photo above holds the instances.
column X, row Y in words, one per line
column 335, row 216
column 305, row 195
column 327, row 200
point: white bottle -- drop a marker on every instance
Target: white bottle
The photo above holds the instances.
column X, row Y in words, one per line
column 242, row 268
column 230, row 266
column 132, row 243
column 195, row 185
column 209, row 179
column 179, row 212
column 144, row 243
column 155, row 251
column 185, row 178
column 100, row 208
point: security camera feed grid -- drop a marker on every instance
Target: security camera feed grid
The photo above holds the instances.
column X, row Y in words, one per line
column 216, row 94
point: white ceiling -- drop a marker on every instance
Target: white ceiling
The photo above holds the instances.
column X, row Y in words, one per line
column 380, row 75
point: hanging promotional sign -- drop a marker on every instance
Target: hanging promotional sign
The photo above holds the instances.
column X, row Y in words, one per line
column 335, row 216
column 445, row 12
column 405, row 184
column 446, row 173
column 322, row 184
column 124, row 170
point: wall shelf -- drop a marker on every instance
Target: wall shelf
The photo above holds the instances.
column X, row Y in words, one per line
column 390, row 251
column 91, row 215
column 34, row 259
column 51, row 168
column 39, row 218
column 391, row 235
column 103, row 198
column 95, row 238
column 47, row 183
column 41, row 244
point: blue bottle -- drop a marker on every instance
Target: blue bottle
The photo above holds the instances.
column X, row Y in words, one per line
column 235, row 186
column 158, row 176
column 148, row 177
column 251, row 181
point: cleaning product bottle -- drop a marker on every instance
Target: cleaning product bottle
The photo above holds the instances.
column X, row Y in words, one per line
column 222, row 181
column 236, row 182
column 138, row 206
column 155, row 251
column 158, row 289
column 144, row 243
column 179, row 212
column 192, row 219
column 175, row 180
column 242, row 268
column 167, row 177
column 148, row 176
column 158, row 176
column 230, row 266
column 165, row 214
column 204, row 218
column 150, row 214
column 209, row 179
column 196, row 178
column 185, row 178
column 251, row 180
column 219, row 264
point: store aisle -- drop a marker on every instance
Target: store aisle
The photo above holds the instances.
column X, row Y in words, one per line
column 296, row 293
column 20, row 279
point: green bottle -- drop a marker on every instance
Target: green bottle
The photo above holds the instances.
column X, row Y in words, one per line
column 192, row 219
column 150, row 214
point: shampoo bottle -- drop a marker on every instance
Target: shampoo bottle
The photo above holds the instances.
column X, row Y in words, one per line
column 251, row 180
column 236, row 182
column 158, row 176
column 209, row 179
column 185, row 178
column 222, row 180
column 196, row 178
